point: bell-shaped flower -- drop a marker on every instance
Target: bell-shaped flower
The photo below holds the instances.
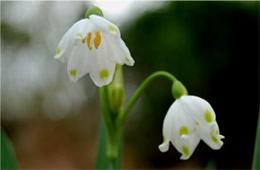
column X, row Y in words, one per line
column 93, row 46
column 188, row 120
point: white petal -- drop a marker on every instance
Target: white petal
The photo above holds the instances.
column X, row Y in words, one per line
column 127, row 57
column 115, row 53
column 85, row 27
column 210, row 135
column 119, row 51
column 167, row 133
column 199, row 109
column 117, row 46
column 105, row 25
column 67, row 42
column 79, row 62
column 180, row 129
column 186, row 145
column 204, row 114
column 183, row 135
column 164, row 147
column 101, row 68
column 182, row 123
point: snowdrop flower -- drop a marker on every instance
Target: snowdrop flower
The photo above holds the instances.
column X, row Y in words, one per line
column 188, row 120
column 93, row 45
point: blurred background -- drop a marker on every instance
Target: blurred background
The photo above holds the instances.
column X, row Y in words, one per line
column 212, row 47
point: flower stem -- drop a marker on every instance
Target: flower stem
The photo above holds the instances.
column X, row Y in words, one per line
column 103, row 95
column 109, row 113
column 138, row 92
column 112, row 133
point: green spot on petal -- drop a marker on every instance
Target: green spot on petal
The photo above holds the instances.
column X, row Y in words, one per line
column 185, row 150
column 104, row 74
column 127, row 59
column 80, row 35
column 208, row 117
column 183, row 131
column 217, row 132
column 73, row 72
column 112, row 28
column 214, row 139
column 58, row 50
column 164, row 139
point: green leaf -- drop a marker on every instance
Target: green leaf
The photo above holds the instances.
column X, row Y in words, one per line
column 256, row 159
column 8, row 160
column 120, row 149
column 211, row 165
column 102, row 162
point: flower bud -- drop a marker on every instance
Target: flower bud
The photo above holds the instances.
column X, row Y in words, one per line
column 178, row 90
column 116, row 97
column 94, row 11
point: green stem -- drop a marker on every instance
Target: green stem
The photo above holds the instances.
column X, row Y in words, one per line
column 139, row 91
column 103, row 95
column 113, row 151
column 114, row 118
column 112, row 133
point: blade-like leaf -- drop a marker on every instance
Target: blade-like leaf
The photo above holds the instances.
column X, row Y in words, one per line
column 102, row 162
column 8, row 160
column 256, row 159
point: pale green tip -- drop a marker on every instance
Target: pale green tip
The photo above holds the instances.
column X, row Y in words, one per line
column 178, row 90
column 94, row 11
column 58, row 50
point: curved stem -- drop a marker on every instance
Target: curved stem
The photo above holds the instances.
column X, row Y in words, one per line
column 139, row 91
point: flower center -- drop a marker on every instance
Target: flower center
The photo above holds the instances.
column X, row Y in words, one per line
column 96, row 40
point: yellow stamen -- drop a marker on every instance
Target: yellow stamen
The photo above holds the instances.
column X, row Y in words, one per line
column 83, row 40
column 88, row 40
column 97, row 39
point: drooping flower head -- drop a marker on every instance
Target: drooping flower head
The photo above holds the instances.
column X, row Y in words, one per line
column 188, row 120
column 93, row 45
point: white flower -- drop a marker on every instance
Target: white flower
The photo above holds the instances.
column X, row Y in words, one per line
column 188, row 120
column 93, row 46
